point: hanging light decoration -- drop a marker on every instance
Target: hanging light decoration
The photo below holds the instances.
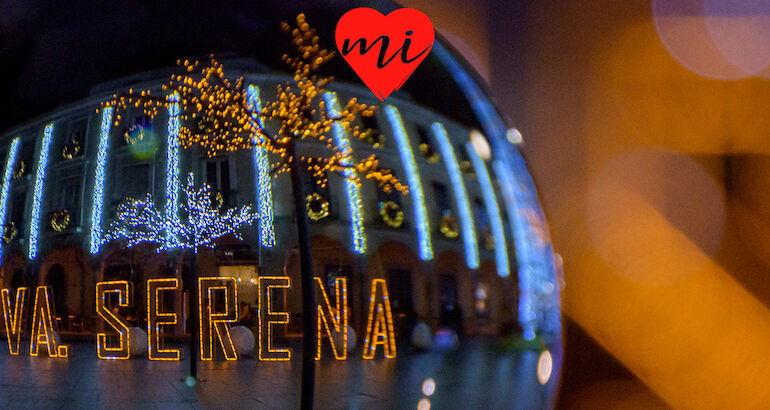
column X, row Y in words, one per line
column 71, row 150
column 9, row 232
column 19, row 170
column 429, row 153
column 317, row 206
column 449, row 227
column 391, row 214
column 135, row 134
column 60, row 220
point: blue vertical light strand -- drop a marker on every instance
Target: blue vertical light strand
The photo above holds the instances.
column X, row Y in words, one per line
column 413, row 179
column 172, row 167
column 543, row 314
column 493, row 210
column 262, row 167
column 10, row 162
column 525, row 248
column 460, row 194
column 42, row 164
column 342, row 143
column 101, row 165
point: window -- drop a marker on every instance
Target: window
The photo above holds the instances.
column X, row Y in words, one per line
column 442, row 198
column 374, row 137
column 426, row 148
column 135, row 182
column 218, row 178
column 74, row 143
column 69, row 193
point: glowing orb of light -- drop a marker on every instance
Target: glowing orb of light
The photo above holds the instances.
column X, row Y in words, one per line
column 544, row 367
column 428, row 387
column 480, row 144
column 514, row 136
column 423, row 404
column 740, row 29
column 683, row 30
column 142, row 142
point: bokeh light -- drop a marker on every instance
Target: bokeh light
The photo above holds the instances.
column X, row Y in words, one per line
column 428, row 387
column 544, row 367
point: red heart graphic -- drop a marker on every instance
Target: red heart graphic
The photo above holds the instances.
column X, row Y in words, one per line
column 384, row 50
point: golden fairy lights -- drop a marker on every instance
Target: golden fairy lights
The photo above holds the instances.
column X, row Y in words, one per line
column 43, row 332
column 215, row 113
column 379, row 326
column 269, row 318
column 156, row 319
column 13, row 320
column 213, row 322
column 337, row 317
column 124, row 291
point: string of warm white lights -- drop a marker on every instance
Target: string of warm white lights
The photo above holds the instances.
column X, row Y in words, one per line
column 42, row 164
column 413, row 178
column 493, row 210
column 460, row 194
column 101, row 166
column 139, row 221
column 13, row 320
column 351, row 178
column 10, row 161
column 336, row 317
column 262, row 166
column 217, row 323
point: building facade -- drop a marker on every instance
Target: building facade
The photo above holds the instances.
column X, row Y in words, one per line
column 446, row 250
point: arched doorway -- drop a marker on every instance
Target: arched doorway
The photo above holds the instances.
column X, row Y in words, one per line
column 407, row 287
column 454, row 284
column 57, row 280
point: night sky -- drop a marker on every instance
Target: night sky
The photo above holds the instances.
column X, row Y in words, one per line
column 53, row 54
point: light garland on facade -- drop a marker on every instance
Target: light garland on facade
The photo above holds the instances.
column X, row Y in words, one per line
column 493, row 210
column 413, row 178
column 43, row 331
column 19, row 170
column 10, row 161
column 524, row 248
column 42, row 164
column 391, row 213
column 338, row 317
column 448, row 226
column 9, row 232
column 124, row 290
column 13, row 322
column 60, row 220
column 379, row 326
column 139, row 221
column 262, row 166
column 99, row 174
column 217, row 322
column 460, row 194
column 269, row 318
column 70, row 150
column 317, row 206
column 156, row 319
column 172, row 169
column 351, row 178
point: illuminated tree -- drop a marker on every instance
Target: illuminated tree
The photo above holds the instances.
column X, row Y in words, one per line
column 217, row 114
column 200, row 224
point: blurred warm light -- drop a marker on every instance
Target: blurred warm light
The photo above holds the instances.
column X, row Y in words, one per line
column 423, row 404
column 679, row 189
column 480, row 144
column 428, row 387
column 658, row 192
column 544, row 367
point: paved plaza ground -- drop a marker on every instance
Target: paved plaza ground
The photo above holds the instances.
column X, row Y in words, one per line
column 478, row 375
